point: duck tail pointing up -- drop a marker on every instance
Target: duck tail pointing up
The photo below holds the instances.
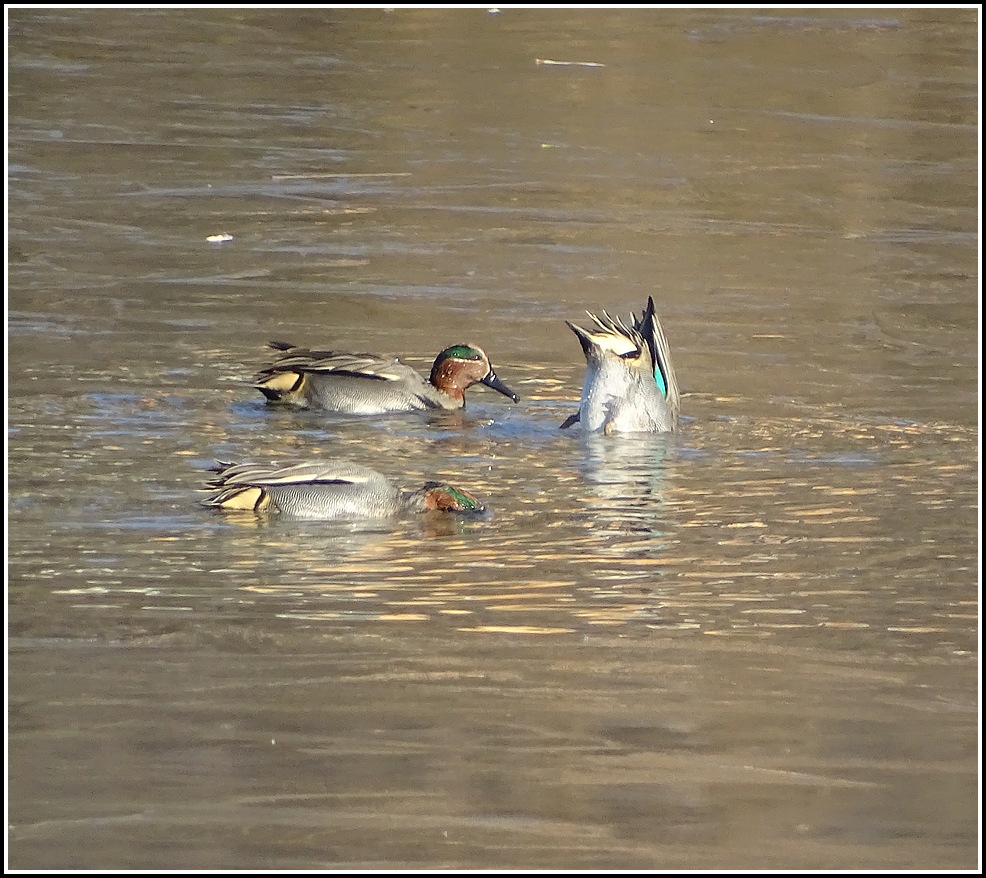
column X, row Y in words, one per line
column 650, row 327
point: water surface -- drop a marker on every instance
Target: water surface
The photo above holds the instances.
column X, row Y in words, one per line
column 752, row 644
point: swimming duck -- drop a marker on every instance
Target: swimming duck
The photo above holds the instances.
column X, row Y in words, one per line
column 630, row 385
column 328, row 490
column 371, row 384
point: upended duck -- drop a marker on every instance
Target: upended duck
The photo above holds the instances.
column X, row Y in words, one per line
column 630, row 385
column 373, row 384
column 328, row 490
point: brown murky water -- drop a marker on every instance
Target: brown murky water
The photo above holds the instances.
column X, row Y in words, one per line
column 751, row 645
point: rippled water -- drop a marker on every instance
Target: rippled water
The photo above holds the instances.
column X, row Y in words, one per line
column 751, row 644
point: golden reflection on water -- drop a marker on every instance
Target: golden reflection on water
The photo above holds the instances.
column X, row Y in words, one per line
column 632, row 544
column 709, row 529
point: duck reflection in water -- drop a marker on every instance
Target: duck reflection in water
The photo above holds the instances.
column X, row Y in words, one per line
column 625, row 478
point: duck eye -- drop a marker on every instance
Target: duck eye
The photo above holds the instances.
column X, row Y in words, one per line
column 631, row 355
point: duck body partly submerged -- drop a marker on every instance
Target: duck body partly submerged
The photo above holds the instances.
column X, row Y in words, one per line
column 630, row 384
column 328, row 490
column 368, row 384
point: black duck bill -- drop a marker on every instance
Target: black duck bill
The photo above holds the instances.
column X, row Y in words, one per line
column 494, row 383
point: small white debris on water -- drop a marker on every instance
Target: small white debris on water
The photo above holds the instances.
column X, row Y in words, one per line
column 220, row 238
column 569, row 63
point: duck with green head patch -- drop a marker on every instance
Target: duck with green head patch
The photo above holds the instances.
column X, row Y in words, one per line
column 370, row 384
column 630, row 385
column 329, row 490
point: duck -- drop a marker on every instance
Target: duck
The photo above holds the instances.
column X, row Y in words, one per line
column 630, row 384
column 328, row 490
column 370, row 384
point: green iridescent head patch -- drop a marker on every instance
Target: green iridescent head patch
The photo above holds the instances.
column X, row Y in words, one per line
column 462, row 352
